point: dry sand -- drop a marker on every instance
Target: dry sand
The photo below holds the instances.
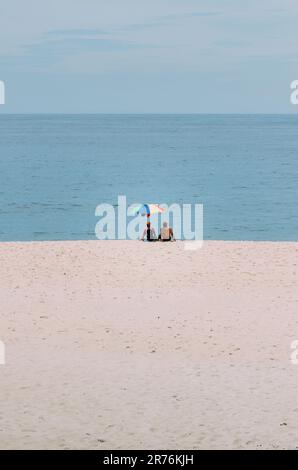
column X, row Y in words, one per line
column 130, row 345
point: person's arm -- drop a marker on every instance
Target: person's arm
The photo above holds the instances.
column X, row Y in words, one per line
column 143, row 236
column 172, row 235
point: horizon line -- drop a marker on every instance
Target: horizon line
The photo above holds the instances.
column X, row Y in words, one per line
column 147, row 113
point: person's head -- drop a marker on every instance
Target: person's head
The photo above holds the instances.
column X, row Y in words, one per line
column 165, row 224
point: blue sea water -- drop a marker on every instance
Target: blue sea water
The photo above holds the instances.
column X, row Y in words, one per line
column 55, row 169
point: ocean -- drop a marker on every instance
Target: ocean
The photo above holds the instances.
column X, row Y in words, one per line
column 55, row 170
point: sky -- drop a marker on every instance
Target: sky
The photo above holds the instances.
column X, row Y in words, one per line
column 141, row 56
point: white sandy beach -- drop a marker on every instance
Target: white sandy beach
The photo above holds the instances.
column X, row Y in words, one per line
column 130, row 345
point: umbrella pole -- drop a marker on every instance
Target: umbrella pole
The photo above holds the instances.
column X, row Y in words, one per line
column 148, row 222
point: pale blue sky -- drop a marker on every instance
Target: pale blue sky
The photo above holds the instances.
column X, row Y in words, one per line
column 135, row 56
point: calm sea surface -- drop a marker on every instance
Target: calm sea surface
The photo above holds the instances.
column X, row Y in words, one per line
column 55, row 169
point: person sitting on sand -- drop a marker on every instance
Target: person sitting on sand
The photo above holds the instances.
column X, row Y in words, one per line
column 149, row 234
column 166, row 233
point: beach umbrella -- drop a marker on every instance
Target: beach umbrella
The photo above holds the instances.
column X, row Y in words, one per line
column 145, row 209
column 148, row 209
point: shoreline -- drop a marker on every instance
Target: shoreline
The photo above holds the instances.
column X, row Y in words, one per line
column 179, row 241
